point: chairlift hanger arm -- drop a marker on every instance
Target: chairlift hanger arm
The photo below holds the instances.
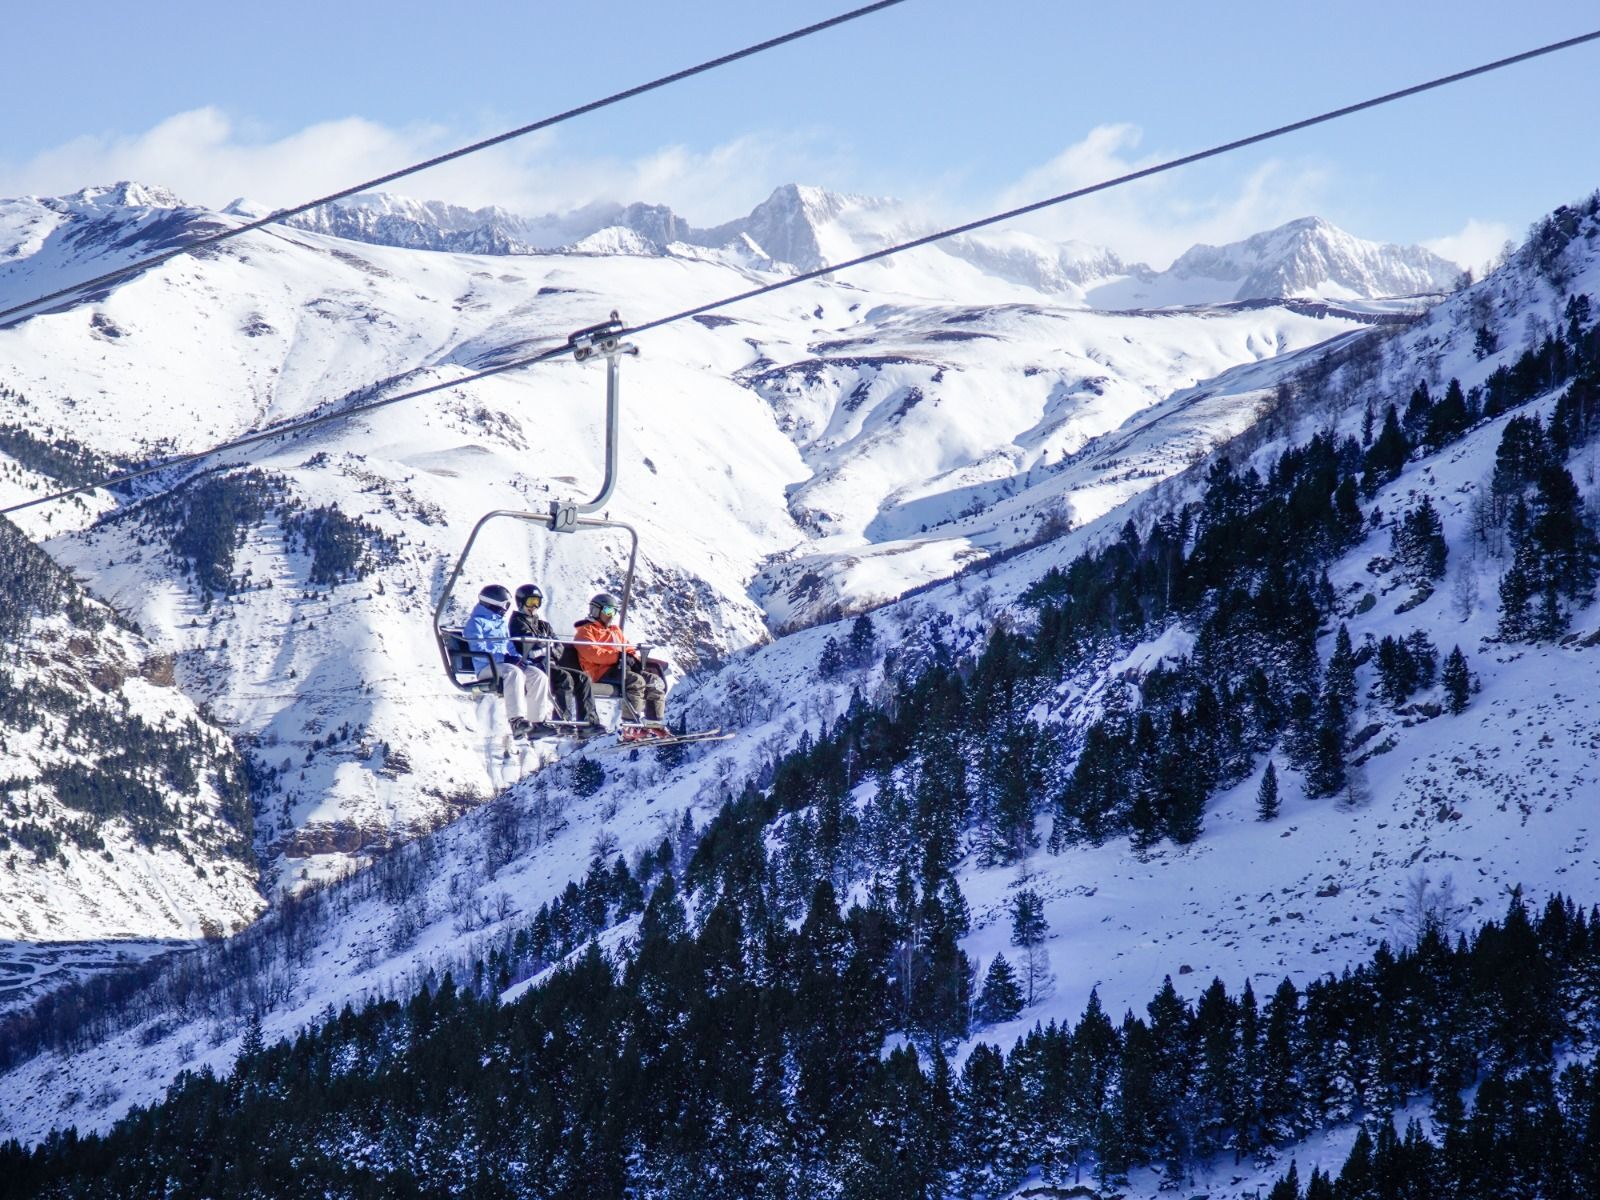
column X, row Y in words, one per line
column 605, row 340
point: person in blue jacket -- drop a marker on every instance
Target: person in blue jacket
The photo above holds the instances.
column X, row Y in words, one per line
column 525, row 687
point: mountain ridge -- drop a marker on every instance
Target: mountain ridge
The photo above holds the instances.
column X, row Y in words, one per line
column 806, row 228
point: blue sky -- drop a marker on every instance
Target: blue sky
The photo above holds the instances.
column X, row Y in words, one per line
column 954, row 106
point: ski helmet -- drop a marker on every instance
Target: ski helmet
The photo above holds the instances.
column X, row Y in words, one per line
column 495, row 597
column 603, row 606
column 529, row 592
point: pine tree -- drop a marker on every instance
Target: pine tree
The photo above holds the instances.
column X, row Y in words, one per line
column 1520, row 586
column 1182, row 785
column 1450, row 417
column 1320, row 1186
column 1144, row 809
column 1091, row 801
column 1014, row 780
column 1419, row 545
column 1245, row 1106
column 1325, row 776
column 1281, row 1093
column 1356, row 1176
column 1484, row 342
column 831, row 662
column 941, row 806
column 862, row 642
column 943, row 985
column 1560, row 532
column 887, row 825
column 1300, row 737
column 1521, row 456
column 1418, row 410
column 1340, row 680
column 1457, row 681
column 1387, row 454
column 1001, row 998
column 1287, row 1188
column 1424, row 657
column 1028, row 931
column 1267, row 794
column 985, row 1166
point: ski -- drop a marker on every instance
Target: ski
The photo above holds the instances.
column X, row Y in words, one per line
column 638, row 738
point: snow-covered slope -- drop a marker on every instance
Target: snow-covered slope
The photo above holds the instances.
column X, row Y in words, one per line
column 124, row 810
column 834, row 446
column 939, row 436
column 1500, row 795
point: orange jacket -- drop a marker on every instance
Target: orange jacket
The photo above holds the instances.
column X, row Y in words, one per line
column 599, row 647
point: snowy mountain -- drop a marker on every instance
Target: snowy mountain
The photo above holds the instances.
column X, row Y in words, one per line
column 388, row 220
column 883, row 441
column 820, row 451
column 1307, row 257
column 807, row 228
column 124, row 809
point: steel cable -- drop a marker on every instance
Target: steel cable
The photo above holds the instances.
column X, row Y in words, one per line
column 450, row 156
column 806, row 276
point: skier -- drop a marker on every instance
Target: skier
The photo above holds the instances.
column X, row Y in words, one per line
column 526, row 690
column 535, row 638
column 598, row 647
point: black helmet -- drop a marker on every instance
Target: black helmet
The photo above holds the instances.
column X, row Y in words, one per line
column 495, row 597
column 604, row 604
column 527, row 592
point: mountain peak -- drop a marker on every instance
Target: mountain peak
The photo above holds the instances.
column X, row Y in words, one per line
column 1310, row 256
column 125, row 193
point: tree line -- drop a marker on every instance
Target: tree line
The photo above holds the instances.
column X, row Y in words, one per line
column 732, row 1053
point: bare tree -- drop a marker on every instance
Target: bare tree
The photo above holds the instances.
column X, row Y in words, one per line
column 1426, row 905
column 1464, row 587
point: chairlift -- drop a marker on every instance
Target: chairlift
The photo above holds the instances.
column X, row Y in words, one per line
column 603, row 340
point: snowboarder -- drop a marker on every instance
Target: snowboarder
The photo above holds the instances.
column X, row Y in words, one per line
column 525, row 687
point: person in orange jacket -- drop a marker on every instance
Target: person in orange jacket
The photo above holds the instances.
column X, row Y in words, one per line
column 599, row 645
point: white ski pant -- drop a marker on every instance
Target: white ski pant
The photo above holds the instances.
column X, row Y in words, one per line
column 526, row 691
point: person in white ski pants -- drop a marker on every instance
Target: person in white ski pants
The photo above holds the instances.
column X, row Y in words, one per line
column 526, row 689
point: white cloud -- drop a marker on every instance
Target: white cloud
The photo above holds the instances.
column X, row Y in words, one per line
column 201, row 156
column 207, row 158
column 1155, row 220
column 1475, row 246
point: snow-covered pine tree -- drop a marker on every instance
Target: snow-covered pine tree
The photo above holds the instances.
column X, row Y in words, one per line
column 1267, row 794
column 1028, row 930
column 1340, row 679
column 1457, row 681
column 1418, row 543
column 1001, row 998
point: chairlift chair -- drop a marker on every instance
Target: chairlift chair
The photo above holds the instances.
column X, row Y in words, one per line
column 605, row 341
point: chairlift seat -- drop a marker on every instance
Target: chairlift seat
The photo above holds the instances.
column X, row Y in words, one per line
column 461, row 665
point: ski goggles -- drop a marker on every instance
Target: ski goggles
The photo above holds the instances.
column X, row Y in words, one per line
column 533, row 602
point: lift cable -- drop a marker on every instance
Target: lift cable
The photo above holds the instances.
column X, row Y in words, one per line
column 1171, row 164
column 522, row 131
column 564, row 348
